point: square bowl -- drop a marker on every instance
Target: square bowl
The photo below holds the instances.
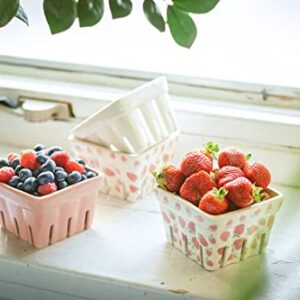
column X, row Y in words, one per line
column 115, row 125
column 217, row 241
column 51, row 218
column 126, row 176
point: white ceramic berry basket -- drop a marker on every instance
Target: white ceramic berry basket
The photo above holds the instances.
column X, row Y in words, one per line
column 45, row 220
column 217, row 241
column 135, row 122
column 126, row 176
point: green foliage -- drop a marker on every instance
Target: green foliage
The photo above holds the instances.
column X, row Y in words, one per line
column 153, row 14
column 196, row 6
column 8, row 9
column 61, row 14
column 120, row 8
column 182, row 26
column 90, row 12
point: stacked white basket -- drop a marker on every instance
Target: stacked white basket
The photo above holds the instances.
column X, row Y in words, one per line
column 131, row 127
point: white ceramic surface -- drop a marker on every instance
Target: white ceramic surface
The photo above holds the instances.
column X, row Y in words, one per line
column 133, row 123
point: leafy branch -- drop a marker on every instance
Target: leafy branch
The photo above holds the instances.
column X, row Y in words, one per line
column 61, row 14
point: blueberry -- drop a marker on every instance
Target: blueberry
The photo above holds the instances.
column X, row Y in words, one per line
column 15, row 163
column 91, row 174
column 24, row 174
column 60, row 176
column 36, row 172
column 3, row 162
column 53, row 149
column 83, row 177
column 14, row 181
column 18, row 169
column 62, row 184
column 49, row 165
column 58, row 169
column 20, row 186
column 42, row 158
column 73, row 177
column 81, row 161
column 39, row 147
column 30, row 185
column 45, row 177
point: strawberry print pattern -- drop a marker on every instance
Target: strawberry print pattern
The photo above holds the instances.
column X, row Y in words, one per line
column 126, row 176
column 217, row 241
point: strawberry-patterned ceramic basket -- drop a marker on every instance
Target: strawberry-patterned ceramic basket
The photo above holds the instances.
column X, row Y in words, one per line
column 217, row 241
column 126, row 176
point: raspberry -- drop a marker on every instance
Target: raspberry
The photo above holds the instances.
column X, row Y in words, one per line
column 47, row 188
column 60, row 158
column 72, row 165
column 11, row 156
column 6, row 173
column 28, row 159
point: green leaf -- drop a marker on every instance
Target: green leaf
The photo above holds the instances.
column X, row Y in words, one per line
column 153, row 15
column 90, row 12
column 8, row 9
column 60, row 14
column 21, row 15
column 120, row 8
column 196, row 6
column 182, row 27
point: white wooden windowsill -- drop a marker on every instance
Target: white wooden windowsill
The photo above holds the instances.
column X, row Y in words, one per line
column 125, row 256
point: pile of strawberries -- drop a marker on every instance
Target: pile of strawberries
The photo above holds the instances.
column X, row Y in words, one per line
column 233, row 184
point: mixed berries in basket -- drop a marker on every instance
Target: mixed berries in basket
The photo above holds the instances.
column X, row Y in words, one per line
column 42, row 171
column 216, row 201
column 45, row 195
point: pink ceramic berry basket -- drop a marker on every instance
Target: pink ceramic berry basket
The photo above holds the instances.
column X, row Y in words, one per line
column 217, row 241
column 126, row 176
column 46, row 220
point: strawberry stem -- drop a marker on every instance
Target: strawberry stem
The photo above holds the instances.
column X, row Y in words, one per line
column 212, row 148
column 219, row 194
column 248, row 156
column 257, row 193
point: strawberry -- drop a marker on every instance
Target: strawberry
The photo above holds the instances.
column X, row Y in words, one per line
column 47, row 188
column 195, row 186
column 73, row 165
column 170, row 178
column 28, row 159
column 11, row 156
column 257, row 173
column 194, row 162
column 232, row 156
column 242, row 193
column 210, row 150
column 214, row 202
column 60, row 158
column 227, row 174
column 6, row 173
